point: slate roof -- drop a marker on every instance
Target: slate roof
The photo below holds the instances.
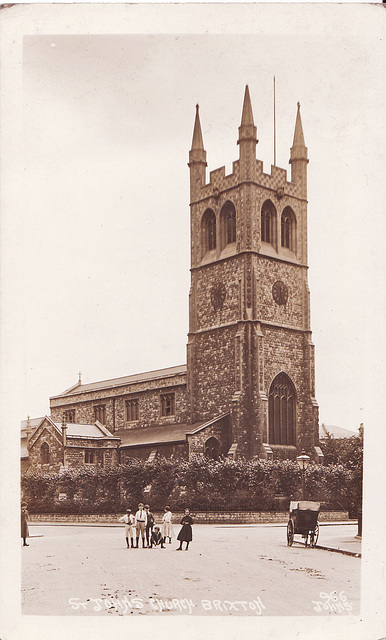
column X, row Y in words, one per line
column 96, row 430
column 154, row 435
column 162, row 434
column 125, row 380
column 34, row 422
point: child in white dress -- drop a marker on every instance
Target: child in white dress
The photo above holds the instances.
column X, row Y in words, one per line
column 167, row 527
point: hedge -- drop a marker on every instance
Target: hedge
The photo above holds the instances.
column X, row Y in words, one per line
column 200, row 483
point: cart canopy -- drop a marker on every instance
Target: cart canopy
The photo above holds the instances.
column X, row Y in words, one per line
column 304, row 505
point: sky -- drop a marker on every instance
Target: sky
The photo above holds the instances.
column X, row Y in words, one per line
column 97, row 247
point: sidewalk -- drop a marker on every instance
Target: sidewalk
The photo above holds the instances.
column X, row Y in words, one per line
column 342, row 539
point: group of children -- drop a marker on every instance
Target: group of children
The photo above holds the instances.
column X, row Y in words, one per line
column 143, row 524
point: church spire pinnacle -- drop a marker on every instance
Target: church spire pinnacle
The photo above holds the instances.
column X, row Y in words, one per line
column 197, row 142
column 247, row 140
column 299, row 156
column 298, row 142
column 197, row 159
column 247, row 115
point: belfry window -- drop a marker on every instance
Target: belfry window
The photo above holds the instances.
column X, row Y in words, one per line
column 45, row 453
column 268, row 222
column 288, row 229
column 228, row 224
column 281, row 407
column 208, row 231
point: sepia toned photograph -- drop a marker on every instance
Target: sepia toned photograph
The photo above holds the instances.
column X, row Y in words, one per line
column 192, row 309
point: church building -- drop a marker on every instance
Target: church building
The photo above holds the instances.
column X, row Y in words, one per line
column 248, row 388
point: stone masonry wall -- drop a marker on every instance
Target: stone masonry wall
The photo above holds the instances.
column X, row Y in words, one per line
column 105, row 451
column 45, row 434
column 213, row 374
column 219, row 430
column 209, row 517
column 267, row 273
column 286, row 350
column 148, row 403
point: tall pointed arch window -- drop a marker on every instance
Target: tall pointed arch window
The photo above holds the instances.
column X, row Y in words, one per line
column 45, row 453
column 228, row 224
column 268, row 222
column 282, row 410
column 288, row 229
column 208, row 228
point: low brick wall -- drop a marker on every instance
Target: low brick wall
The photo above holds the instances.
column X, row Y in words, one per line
column 210, row 517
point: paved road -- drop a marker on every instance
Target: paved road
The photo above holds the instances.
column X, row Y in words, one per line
column 237, row 570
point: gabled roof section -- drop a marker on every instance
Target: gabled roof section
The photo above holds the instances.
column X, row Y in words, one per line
column 154, row 435
column 96, row 430
column 209, row 423
column 125, row 380
column 57, row 431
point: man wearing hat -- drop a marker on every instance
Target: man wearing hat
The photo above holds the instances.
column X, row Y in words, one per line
column 140, row 523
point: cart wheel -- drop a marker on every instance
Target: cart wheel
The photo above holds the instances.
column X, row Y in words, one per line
column 314, row 535
column 290, row 533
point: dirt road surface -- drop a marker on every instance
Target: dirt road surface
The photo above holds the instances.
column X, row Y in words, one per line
column 227, row 571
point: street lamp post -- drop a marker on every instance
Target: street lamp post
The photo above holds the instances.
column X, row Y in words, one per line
column 303, row 462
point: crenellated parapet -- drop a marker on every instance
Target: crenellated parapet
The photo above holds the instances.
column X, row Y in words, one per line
column 276, row 181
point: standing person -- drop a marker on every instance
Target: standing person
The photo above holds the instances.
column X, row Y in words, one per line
column 24, row 524
column 156, row 538
column 140, row 524
column 128, row 519
column 167, row 527
column 149, row 524
column 185, row 534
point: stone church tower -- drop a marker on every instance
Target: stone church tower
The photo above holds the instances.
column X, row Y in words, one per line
column 250, row 353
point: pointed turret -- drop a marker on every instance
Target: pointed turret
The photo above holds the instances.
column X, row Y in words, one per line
column 197, row 159
column 247, row 140
column 28, row 430
column 197, row 142
column 299, row 156
column 247, row 115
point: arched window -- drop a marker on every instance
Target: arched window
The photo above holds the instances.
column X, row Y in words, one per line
column 268, row 222
column 288, row 229
column 228, row 224
column 45, row 453
column 208, row 231
column 212, row 448
column 282, row 409
column 89, row 457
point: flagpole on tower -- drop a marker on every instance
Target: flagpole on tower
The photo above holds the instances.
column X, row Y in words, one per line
column 274, row 121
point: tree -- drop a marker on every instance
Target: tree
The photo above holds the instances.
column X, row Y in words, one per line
column 347, row 452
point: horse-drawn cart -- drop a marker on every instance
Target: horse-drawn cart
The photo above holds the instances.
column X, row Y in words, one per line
column 303, row 520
